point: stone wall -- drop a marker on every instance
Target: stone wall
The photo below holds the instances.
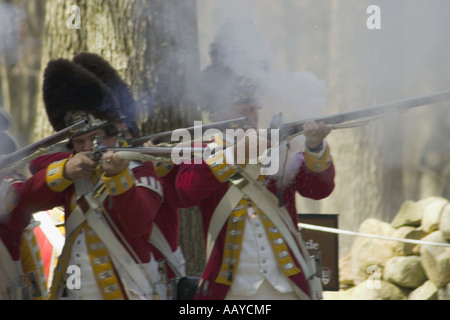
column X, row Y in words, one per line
column 393, row 270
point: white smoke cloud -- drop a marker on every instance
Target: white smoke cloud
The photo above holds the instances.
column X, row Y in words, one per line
column 248, row 51
column 298, row 95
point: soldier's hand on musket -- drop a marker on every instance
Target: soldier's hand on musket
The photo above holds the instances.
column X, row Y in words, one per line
column 8, row 193
column 148, row 144
column 315, row 133
column 80, row 166
column 112, row 164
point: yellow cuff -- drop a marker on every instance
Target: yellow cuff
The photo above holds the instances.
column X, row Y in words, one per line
column 318, row 164
column 119, row 183
column 221, row 170
column 55, row 177
column 163, row 169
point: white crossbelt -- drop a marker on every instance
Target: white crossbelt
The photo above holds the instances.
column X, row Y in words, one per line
column 267, row 201
column 175, row 259
column 280, row 217
column 221, row 214
column 121, row 258
column 9, row 273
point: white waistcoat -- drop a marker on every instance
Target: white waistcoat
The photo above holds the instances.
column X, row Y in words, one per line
column 257, row 262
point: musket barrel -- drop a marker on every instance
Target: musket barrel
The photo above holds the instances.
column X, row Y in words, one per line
column 46, row 142
column 156, row 151
column 372, row 111
column 166, row 135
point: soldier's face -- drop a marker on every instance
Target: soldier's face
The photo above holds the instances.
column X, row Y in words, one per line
column 85, row 142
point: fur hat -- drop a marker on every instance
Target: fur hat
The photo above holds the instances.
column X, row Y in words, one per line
column 109, row 76
column 72, row 93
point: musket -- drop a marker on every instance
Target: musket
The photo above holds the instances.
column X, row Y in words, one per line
column 159, row 154
column 363, row 115
column 17, row 156
column 165, row 136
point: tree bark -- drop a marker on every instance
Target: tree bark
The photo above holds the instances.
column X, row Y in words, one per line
column 22, row 32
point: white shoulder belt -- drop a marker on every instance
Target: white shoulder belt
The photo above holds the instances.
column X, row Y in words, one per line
column 268, row 203
column 175, row 259
column 10, row 276
column 120, row 256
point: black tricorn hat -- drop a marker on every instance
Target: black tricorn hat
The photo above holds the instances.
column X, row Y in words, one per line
column 110, row 77
column 72, row 93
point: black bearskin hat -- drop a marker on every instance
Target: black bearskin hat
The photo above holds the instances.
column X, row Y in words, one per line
column 109, row 76
column 72, row 93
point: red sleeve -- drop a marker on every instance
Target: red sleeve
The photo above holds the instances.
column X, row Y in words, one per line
column 44, row 161
column 195, row 183
column 34, row 195
column 315, row 185
column 136, row 208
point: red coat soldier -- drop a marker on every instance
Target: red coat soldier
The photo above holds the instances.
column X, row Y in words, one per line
column 110, row 204
column 21, row 267
column 254, row 246
column 165, row 233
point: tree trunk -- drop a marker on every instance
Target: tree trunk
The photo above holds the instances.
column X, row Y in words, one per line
column 21, row 35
